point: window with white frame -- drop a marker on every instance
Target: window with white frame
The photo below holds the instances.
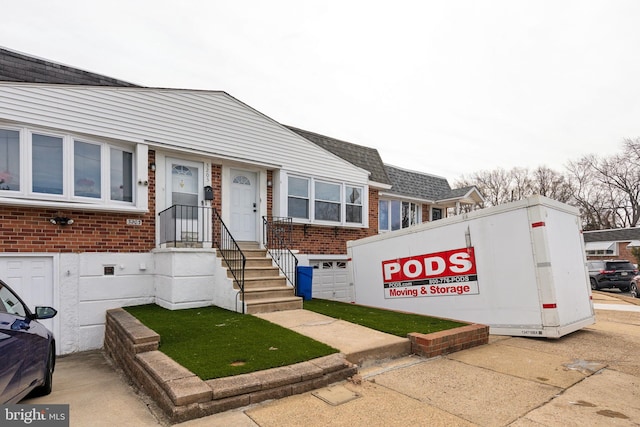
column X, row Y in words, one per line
column 9, row 160
column 64, row 168
column 324, row 202
column 298, row 200
column 327, row 201
column 354, row 204
column 396, row 214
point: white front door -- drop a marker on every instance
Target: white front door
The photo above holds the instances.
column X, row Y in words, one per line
column 184, row 182
column 244, row 206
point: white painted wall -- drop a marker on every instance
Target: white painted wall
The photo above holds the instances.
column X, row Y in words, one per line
column 184, row 277
column 86, row 293
column 173, row 278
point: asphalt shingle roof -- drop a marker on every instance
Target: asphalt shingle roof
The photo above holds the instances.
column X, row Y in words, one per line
column 17, row 67
column 614, row 235
column 417, row 184
column 366, row 158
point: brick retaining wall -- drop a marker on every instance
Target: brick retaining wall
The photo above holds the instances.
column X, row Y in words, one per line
column 184, row 396
column 449, row 341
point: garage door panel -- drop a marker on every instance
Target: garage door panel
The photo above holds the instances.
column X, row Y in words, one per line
column 330, row 280
column 32, row 279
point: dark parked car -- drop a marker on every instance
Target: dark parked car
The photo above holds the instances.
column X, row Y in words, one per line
column 27, row 349
column 611, row 274
column 634, row 289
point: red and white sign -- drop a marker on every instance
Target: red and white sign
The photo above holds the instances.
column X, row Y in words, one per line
column 437, row 274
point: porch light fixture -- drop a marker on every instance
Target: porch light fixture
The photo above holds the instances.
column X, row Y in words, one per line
column 61, row 220
column 152, row 166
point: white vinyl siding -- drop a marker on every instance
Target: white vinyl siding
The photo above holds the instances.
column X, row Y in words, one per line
column 206, row 122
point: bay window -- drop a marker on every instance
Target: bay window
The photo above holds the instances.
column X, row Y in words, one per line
column 64, row 169
column 324, row 202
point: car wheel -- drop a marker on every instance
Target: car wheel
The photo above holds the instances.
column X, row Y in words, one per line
column 45, row 388
column 634, row 290
column 594, row 284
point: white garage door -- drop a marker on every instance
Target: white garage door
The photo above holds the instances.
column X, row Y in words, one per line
column 330, row 281
column 32, row 279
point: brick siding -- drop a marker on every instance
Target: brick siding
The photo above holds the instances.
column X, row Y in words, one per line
column 25, row 229
column 316, row 239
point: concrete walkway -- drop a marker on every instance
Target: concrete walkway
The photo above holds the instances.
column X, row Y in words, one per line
column 590, row 377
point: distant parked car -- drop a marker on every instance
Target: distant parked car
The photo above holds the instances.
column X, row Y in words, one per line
column 634, row 289
column 27, row 349
column 611, row 274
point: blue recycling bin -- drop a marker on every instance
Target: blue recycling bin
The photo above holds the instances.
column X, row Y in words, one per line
column 304, row 276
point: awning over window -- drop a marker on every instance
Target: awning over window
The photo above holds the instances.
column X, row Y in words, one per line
column 599, row 246
column 634, row 244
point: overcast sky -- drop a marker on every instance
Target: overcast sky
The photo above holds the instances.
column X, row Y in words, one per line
column 444, row 87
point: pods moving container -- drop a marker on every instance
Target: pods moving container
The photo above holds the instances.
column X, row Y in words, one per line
column 519, row 268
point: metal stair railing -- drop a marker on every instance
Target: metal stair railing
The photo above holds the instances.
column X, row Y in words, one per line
column 231, row 253
column 277, row 241
column 182, row 225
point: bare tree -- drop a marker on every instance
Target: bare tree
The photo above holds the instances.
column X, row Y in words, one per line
column 520, row 184
column 605, row 190
column 551, row 184
column 499, row 186
column 589, row 195
column 494, row 185
column 620, row 175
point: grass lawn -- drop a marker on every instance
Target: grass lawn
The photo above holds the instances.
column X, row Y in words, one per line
column 212, row 342
column 391, row 322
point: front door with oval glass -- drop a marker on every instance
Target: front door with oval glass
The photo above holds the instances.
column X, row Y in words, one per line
column 244, row 206
column 184, row 181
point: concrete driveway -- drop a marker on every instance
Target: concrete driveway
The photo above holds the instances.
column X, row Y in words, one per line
column 590, row 377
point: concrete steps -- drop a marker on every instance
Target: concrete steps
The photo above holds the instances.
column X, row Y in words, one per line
column 265, row 290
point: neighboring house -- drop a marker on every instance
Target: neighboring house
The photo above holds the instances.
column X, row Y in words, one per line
column 406, row 197
column 417, row 197
column 113, row 194
column 611, row 244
